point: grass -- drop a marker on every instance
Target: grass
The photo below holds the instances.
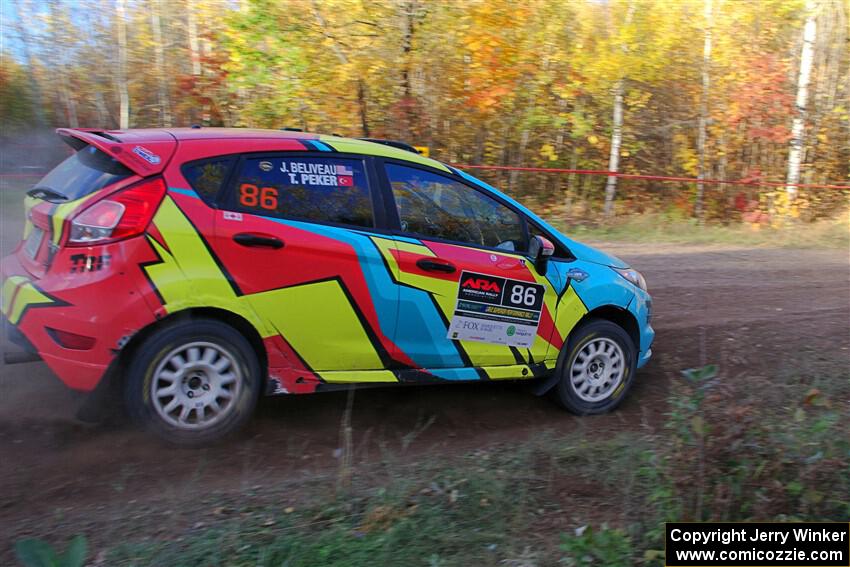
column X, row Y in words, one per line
column 441, row 516
column 480, row 511
column 733, row 449
column 658, row 228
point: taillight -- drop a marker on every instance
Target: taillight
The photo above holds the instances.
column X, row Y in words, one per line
column 124, row 214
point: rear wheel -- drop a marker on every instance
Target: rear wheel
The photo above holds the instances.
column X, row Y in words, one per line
column 193, row 382
column 596, row 368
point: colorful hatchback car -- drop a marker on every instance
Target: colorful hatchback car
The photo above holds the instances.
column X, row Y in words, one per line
column 198, row 268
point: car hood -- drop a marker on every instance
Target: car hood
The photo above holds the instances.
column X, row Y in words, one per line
column 589, row 254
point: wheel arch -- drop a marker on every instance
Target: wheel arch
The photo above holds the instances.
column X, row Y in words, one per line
column 617, row 315
column 242, row 325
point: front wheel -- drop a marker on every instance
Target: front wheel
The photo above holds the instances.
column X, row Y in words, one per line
column 193, row 382
column 596, row 368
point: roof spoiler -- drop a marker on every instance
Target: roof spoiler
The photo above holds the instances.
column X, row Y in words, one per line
column 393, row 143
column 145, row 157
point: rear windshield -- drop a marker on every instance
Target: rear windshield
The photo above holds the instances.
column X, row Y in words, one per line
column 83, row 173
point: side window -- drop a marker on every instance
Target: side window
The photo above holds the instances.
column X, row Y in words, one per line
column 208, row 177
column 432, row 205
column 306, row 188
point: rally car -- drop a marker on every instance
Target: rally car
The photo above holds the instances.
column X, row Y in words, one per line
column 198, row 268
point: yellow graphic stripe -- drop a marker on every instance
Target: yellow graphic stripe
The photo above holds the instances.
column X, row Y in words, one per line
column 413, row 248
column 189, row 272
column 305, row 315
column 355, row 376
column 541, row 348
column 570, row 311
column 512, row 372
column 385, row 247
column 28, row 296
column 188, row 276
column 8, row 292
column 171, row 282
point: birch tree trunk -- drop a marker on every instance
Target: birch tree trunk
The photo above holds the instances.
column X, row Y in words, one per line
column 68, row 101
column 159, row 58
column 104, row 119
column 523, row 144
column 194, row 44
column 614, row 156
column 121, row 78
column 209, row 94
column 343, row 59
column 571, row 182
column 361, row 105
column 703, row 110
column 798, row 128
column 617, row 129
column 60, row 32
column 572, row 189
column 410, row 9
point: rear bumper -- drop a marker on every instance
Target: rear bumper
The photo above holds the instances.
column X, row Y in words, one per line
column 27, row 352
column 17, row 338
column 74, row 373
column 103, row 305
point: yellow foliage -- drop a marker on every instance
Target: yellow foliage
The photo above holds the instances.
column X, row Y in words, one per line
column 548, row 151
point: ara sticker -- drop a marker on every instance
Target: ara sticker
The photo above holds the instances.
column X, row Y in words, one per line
column 496, row 310
column 229, row 215
column 146, row 155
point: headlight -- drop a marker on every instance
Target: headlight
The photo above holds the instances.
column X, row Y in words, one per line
column 633, row 276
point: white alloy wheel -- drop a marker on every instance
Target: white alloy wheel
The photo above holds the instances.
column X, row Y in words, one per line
column 195, row 386
column 597, row 370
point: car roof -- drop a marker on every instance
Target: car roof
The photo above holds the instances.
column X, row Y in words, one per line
column 252, row 135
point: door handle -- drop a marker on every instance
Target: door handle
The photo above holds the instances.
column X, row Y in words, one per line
column 432, row 265
column 260, row 240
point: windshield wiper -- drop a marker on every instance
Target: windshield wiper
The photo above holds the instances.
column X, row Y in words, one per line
column 47, row 194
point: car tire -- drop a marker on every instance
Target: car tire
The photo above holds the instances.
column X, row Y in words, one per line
column 193, row 382
column 596, row 368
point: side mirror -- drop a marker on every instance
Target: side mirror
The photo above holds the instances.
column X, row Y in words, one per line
column 540, row 249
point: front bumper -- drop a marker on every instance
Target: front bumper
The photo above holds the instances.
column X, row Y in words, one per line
column 641, row 308
column 644, row 358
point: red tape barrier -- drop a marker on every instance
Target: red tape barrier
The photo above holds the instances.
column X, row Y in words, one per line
column 664, row 178
column 651, row 177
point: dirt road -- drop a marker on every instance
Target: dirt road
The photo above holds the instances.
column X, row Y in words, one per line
column 752, row 311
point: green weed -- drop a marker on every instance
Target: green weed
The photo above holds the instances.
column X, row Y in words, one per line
column 39, row 553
